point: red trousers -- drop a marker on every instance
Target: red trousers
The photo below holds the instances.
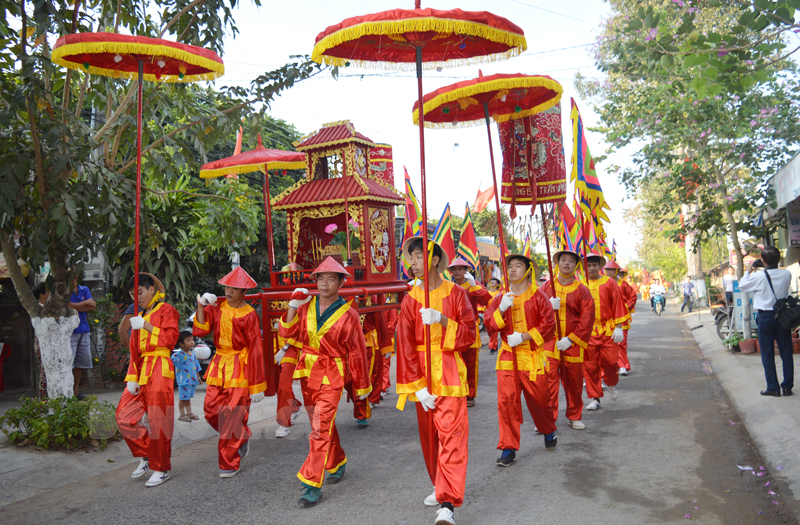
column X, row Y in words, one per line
column 157, row 400
column 361, row 408
column 376, row 378
column 227, row 411
column 287, row 403
column 623, row 362
column 509, row 406
column 601, row 354
column 444, row 436
column 387, row 367
column 324, row 450
column 471, row 361
column 570, row 376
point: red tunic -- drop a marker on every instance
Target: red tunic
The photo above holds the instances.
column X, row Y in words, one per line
column 449, row 371
column 576, row 315
column 329, row 349
column 147, row 348
column 531, row 313
column 478, row 296
column 629, row 298
column 239, row 361
column 609, row 308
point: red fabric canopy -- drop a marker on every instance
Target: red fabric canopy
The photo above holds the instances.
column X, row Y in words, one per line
column 509, row 96
column 115, row 55
column 447, row 38
column 257, row 159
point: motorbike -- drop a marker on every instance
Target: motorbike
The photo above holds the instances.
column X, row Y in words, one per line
column 659, row 302
column 723, row 321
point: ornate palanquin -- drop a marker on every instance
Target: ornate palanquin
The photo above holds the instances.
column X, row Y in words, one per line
column 343, row 165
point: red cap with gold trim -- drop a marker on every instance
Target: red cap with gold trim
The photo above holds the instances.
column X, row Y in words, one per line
column 238, row 278
column 331, row 265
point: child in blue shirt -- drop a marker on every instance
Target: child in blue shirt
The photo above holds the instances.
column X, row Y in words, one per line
column 187, row 372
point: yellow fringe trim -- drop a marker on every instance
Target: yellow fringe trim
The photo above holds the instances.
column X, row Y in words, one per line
column 250, row 168
column 457, row 95
column 516, row 42
column 216, row 69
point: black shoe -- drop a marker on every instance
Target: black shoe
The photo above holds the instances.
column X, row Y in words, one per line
column 787, row 392
column 80, row 397
column 492, row 352
column 507, row 458
column 770, row 393
column 550, row 441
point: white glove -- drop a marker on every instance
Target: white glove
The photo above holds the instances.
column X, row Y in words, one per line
column 555, row 302
column 632, row 314
column 618, row 335
column 133, row 388
column 427, row 399
column 414, row 282
column 507, row 301
column 470, row 279
column 564, row 343
column 257, row 398
column 430, row 316
column 515, row 339
column 137, row 323
column 299, row 298
column 363, row 397
column 280, row 354
column 207, row 299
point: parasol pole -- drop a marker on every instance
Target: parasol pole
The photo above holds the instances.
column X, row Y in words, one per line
column 550, row 266
column 583, row 234
column 268, row 219
column 424, row 204
column 138, row 191
column 502, row 239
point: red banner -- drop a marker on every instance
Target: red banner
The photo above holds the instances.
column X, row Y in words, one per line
column 547, row 159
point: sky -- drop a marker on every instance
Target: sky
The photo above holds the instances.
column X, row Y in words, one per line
column 379, row 103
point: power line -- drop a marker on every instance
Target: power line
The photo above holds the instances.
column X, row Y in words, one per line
column 552, row 12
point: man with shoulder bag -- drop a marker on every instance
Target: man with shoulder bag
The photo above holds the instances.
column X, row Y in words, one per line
column 770, row 290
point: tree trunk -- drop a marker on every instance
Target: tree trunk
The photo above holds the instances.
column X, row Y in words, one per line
column 694, row 258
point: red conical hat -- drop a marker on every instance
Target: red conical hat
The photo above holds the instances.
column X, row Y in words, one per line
column 623, row 270
column 612, row 265
column 330, row 265
column 238, row 278
column 458, row 261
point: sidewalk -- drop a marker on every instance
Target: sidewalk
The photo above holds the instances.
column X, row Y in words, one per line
column 773, row 423
column 25, row 472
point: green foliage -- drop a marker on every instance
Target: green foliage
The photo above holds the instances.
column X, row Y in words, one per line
column 62, row 423
column 734, row 339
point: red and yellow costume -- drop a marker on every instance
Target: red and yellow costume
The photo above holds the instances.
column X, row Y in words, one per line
column 332, row 350
column 392, row 317
column 491, row 333
column 533, row 314
column 602, row 352
column 629, row 298
column 287, row 403
column 443, row 431
column 576, row 320
column 478, row 296
column 151, row 367
column 236, row 372
column 379, row 342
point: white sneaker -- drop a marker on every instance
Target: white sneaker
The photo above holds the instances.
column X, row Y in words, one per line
column 623, row 372
column 141, row 470
column 444, row 516
column 295, row 416
column 536, row 431
column 430, row 501
column 594, row 405
column 612, row 392
column 577, row 424
column 282, row 432
column 157, row 479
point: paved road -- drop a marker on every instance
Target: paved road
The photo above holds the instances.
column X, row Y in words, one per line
column 668, row 449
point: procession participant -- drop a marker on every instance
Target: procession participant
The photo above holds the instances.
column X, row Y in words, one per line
column 494, row 289
column 236, row 375
column 572, row 302
column 478, row 296
column 629, row 298
column 442, row 412
column 150, row 388
column 609, row 315
column 329, row 329
column 376, row 335
column 392, row 317
column 288, row 407
column 524, row 329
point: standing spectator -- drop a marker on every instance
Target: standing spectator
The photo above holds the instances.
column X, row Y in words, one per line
column 187, row 368
column 82, row 301
column 769, row 330
column 688, row 291
column 727, row 284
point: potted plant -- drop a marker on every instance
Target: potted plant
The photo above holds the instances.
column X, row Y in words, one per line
column 749, row 346
column 733, row 341
column 340, row 240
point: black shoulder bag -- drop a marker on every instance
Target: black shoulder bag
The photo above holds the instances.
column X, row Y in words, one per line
column 787, row 310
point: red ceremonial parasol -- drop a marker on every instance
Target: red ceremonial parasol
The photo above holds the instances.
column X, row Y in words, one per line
column 415, row 38
column 258, row 159
column 126, row 56
column 500, row 97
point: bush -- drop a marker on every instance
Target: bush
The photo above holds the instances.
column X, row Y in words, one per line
column 62, row 423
